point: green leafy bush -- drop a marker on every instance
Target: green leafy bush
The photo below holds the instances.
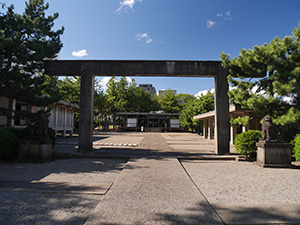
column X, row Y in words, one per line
column 296, row 147
column 52, row 135
column 245, row 143
column 19, row 132
column 8, row 144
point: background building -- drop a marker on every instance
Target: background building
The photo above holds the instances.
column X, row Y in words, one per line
column 162, row 92
column 149, row 122
column 61, row 117
column 148, row 87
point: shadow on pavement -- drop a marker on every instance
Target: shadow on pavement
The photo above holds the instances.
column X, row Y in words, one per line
column 44, row 208
column 227, row 214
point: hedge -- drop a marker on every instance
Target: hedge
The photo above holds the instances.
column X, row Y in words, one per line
column 296, row 147
column 245, row 143
column 8, row 144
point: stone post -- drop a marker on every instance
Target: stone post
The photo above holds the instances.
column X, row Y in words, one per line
column 211, row 128
column 86, row 111
column 222, row 114
column 205, row 133
column 232, row 134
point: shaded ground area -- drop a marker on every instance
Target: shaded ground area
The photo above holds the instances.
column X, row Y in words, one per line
column 59, row 192
column 152, row 183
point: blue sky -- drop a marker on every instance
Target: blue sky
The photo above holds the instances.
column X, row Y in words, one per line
column 168, row 29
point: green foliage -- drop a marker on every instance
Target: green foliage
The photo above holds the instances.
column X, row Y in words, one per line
column 20, row 133
column 124, row 96
column 296, row 147
column 69, row 89
column 278, row 65
column 52, row 136
column 169, row 102
column 100, row 106
column 26, row 40
column 240, row 120
column 197, row 106
column 8, row 144
column 184, row 99
column 291, row 133
column 140, row 101
column 245, row 143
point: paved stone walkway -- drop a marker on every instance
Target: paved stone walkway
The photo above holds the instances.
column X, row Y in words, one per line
column 152, row 183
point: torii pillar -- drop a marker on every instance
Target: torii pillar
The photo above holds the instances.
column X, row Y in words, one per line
column 86, row 110
column 222, row 131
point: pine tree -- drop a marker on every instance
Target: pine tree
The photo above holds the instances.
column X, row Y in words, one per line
column 277, row 92
column 25, row 42
column 169, row 102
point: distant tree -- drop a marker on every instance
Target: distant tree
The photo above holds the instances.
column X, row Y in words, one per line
column 278, row 63
column 100, row 106
column 25, row 41
column 140, row 101
column 117, row 96
column 169, row 102
column 69, row 89
column 202, row 104
column 183, row 99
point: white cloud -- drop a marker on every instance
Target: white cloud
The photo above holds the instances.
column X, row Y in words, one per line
column 289, row 99
column 103, row 82
column 220, row 14
column 144, row 37
column 210, row 23
column 80, row 53
column 126, row 4
column 204, row 92
column 211, row 91
column 228, row 14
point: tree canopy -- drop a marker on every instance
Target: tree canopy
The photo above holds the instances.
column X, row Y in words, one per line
column 169, row 102
column 277, row 92
column 25, row 41
column 196, row 106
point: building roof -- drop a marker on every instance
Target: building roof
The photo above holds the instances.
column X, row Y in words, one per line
column 67, row 104
column 232, row 109
column 148, row 113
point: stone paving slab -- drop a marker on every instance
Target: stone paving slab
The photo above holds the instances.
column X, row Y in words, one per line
column 154, row 190
column 244, row 193
column 56, row 187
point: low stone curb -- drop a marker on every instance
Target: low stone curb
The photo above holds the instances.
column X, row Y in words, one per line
column 115, row 144
column 100, row 144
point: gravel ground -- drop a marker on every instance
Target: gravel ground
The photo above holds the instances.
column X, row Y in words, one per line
column 44, row 208
column 244, row 182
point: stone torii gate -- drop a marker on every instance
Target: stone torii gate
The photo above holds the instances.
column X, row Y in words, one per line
column 88, row 69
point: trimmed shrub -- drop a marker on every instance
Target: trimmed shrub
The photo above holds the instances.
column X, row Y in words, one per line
column 245, row 143
column 52, row 135
column 296, row 147
column 8, row 144
column 19, row 132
